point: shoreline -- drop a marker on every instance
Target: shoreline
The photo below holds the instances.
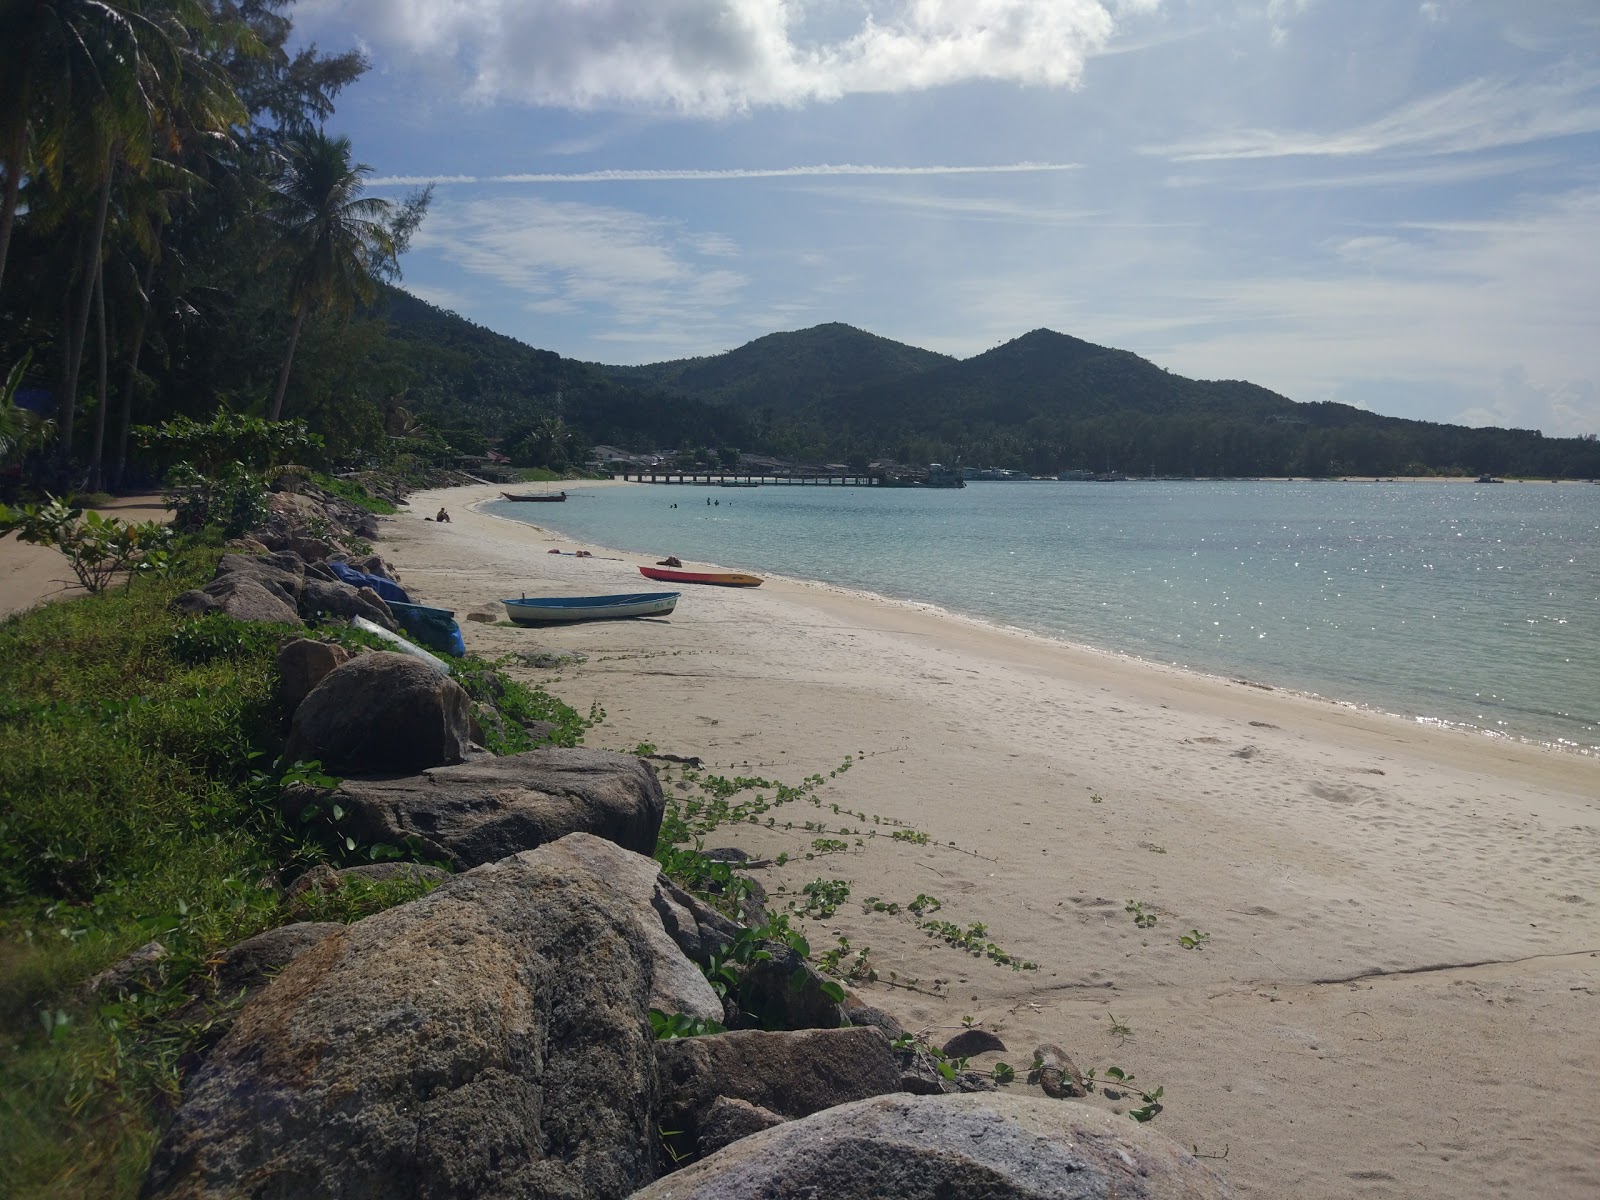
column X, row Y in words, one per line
column 1442, row 725
column 1399, row 917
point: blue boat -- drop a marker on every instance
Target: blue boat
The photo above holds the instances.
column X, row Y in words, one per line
column 542, row 609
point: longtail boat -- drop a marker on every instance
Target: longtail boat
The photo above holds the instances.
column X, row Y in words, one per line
column 719, row 578
column 535, row 497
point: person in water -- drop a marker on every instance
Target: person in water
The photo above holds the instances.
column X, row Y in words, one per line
column 443, row 518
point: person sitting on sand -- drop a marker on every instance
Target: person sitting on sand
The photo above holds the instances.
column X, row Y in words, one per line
column 670, row 561
column 443, row 518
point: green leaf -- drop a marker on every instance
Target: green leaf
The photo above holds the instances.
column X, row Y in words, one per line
column 833, row 991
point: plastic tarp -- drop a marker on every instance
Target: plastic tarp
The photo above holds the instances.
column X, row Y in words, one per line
column 435, row 628
column 387, row 589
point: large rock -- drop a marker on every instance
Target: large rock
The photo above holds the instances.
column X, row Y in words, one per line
column 382, row 713
column 321, row 598
column 247, row 599
column 302, row 664
column 489, row 1040
column 996, row 1147
column 282, row 573
column 481, row 811
column 789, row 1074
column 784, row 991
column 249, row 965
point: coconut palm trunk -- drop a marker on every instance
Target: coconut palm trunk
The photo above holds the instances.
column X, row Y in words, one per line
column 101, row 393
column 8, row 206
column 80, row 332
column 288, row 361
column 119, row 463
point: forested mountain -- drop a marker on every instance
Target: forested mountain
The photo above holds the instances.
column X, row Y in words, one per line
column 787, row 371
column 1046, row 402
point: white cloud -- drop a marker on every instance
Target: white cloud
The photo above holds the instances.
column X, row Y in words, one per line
column 623, row 175
column 1481, row 114
column 565, row 258
column 712, row 57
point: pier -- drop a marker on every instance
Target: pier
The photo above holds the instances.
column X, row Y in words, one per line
column 745, row 479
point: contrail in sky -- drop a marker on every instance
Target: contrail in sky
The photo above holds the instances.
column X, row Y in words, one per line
column 633, row 176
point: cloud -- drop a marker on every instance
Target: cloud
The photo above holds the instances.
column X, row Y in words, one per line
column 609, row 264
column 1422, row 175
column 1480, row 114
column 659, row 176
column 711, row 57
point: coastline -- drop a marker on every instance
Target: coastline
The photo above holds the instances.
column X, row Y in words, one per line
column 1313, row 841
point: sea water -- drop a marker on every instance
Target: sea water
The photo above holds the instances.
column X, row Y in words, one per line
column 1475, row 605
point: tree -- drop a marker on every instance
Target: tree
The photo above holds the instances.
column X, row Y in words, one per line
column 338, row 243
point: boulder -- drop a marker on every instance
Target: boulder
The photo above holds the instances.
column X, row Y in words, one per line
column 319, row 597
column 140, row 971
column 998, row 1147
column 784, row 991
column 789, row 1074
column 858, row 1012
column 372, row 564
column 282, row 573
column 484, row 810
column 365, row 527
column 302, row 664
column 726, row 1121
column 490, row 1040
column 195, row 603
column 247, row 599
column 310, row 549
column 382, row 713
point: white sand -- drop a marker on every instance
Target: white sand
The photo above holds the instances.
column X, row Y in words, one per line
column 1400, row 996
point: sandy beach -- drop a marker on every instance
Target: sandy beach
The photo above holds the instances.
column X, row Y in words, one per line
column 1400, row 991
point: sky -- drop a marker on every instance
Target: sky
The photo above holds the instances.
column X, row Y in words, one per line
column 1389, row 203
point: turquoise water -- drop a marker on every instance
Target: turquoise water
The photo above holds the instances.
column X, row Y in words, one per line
column 1465, row 604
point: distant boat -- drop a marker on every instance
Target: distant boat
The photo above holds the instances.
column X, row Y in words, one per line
column 536, row 497
column 1489, row 479
column 720, row 578
column 542, row 609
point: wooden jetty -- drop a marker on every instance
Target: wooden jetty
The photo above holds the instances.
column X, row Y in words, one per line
column 717, row 478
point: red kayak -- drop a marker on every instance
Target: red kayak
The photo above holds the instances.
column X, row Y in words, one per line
column 720, row 578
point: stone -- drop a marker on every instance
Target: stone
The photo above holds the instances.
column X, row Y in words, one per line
column 140, row 971
column 383, row 713
column 195, row 603
column 972, row 1041
column 282, row 573
column 302, row 664
column 997, row 1147
column 246, row 545
column 489, row 1040
column 372, row 564
column 1056, row 1073
column 319, row 597
column 858, row 1012
column 247, row 599
column 481, row 811
column 784, row 991
column 310, row 549
column 791, row 1074
column 365, row 527
column 322, row 571
column 727, row 1120
column 483, row 616
column 323, row 878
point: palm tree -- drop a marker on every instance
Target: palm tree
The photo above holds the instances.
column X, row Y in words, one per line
column 335, row 240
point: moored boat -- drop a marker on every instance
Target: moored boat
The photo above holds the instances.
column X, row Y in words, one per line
column 719, row 578
column 539, row 610
column 535, row 497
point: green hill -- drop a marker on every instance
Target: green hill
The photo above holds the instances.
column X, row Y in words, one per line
column 1043, row 402
column 788, row 370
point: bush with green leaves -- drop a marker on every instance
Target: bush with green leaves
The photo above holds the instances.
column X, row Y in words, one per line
column 228, row 438
column 234, row 498
column 98, row 548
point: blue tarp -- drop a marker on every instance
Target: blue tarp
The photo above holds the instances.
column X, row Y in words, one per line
column 388, row 589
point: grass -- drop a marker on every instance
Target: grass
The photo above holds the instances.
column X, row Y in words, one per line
column 349, row 489
column 138, row 802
